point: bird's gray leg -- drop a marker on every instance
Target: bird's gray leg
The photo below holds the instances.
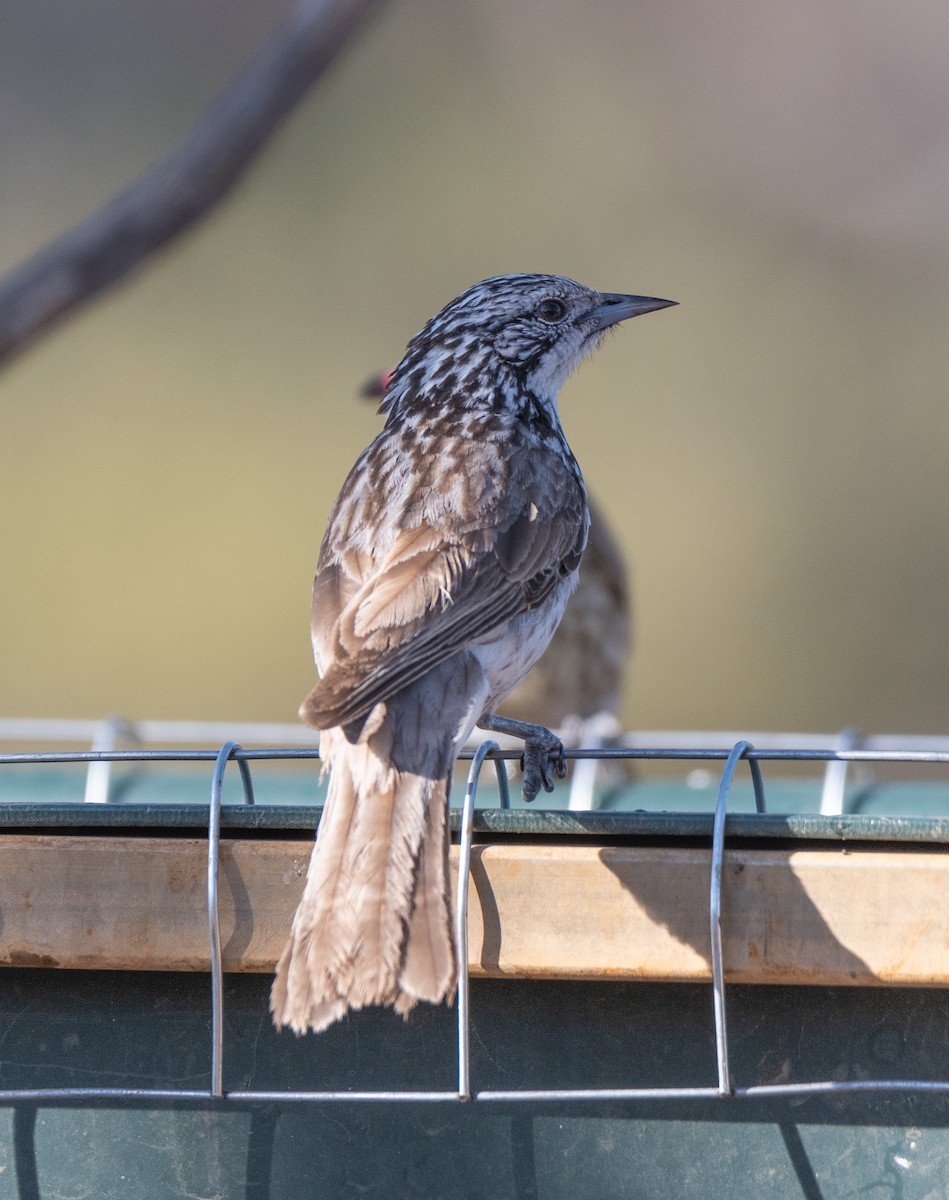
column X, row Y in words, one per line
column 539, row 744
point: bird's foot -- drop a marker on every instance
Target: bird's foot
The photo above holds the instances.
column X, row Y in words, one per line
column 543, row 756
column 542, row 760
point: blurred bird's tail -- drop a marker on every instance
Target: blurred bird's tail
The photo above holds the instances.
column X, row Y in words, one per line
column 374, row 925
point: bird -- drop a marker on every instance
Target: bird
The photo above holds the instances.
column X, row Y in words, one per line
column 448, row 558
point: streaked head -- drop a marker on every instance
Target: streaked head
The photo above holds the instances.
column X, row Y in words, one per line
column 534, row 328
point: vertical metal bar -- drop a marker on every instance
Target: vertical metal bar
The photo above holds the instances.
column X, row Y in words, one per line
column 461, row 913
column 583, row 784
column 214, row 925
column 109, row 734
column 593, row 733
column 738, row 752
column 834, row 792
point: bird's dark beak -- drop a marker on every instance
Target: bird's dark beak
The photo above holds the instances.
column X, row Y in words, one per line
column 614, row 309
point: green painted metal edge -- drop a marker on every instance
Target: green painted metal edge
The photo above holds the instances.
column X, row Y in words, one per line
column 266, row 818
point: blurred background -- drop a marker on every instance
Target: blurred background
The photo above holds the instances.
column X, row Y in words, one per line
column 771, row 453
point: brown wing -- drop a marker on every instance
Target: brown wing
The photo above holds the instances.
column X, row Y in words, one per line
column 430, row 597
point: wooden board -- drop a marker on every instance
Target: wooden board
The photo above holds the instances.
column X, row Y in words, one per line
column 536, row 910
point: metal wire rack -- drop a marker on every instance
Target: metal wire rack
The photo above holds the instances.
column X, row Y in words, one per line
column 123, row 733
column 934, row 751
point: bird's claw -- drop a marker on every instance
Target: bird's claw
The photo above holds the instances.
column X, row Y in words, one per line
column 543, row 756
column 542, row 760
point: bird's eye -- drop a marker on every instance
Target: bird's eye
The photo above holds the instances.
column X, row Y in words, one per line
column 551, row 310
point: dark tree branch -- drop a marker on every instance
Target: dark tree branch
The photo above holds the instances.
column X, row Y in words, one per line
column 185, row 186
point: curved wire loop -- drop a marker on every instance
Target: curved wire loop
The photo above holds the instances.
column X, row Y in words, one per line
column 461, row 902
column 738, row 752
column 225, row 754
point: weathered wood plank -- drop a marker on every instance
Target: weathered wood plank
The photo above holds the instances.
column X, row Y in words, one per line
column 573, row 912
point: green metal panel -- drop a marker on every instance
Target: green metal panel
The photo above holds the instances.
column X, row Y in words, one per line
column 142, row 1030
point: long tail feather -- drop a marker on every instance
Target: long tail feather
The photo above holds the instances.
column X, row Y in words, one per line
column 430, row 969
column 374, row 924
